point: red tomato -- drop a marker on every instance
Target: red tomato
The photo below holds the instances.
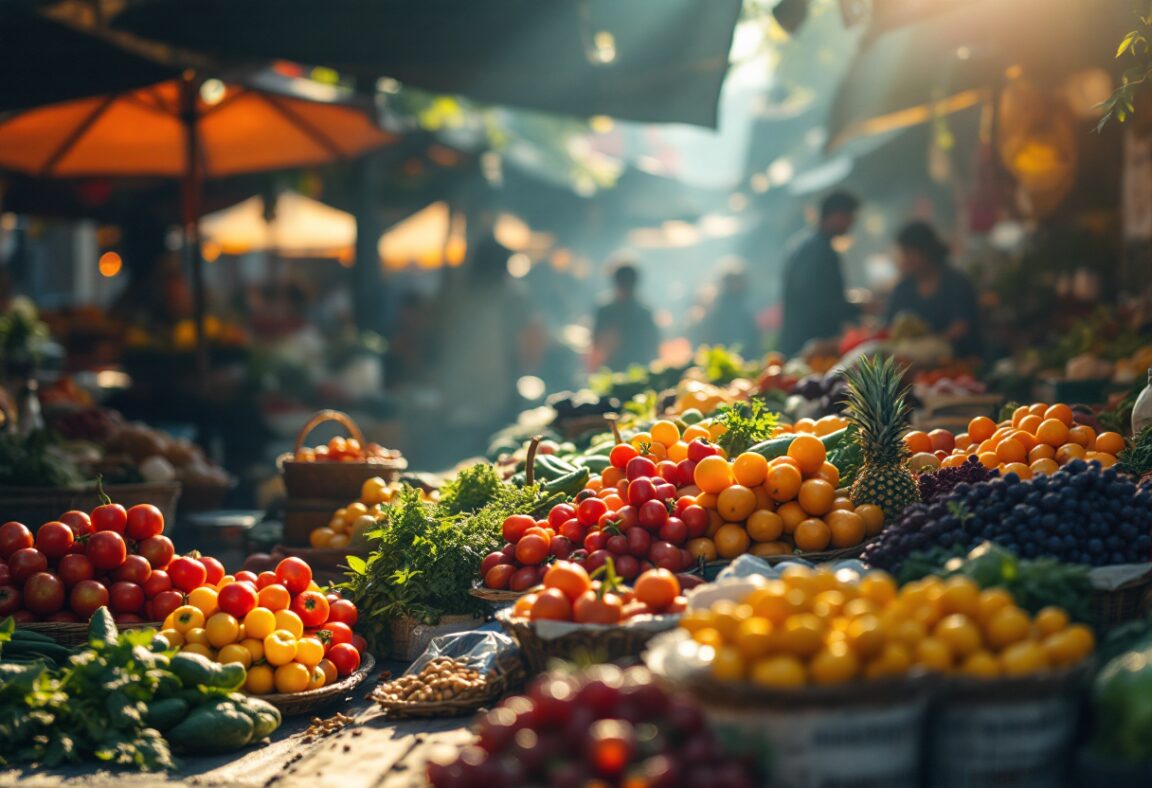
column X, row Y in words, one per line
column 560, row 514
column 265, row 579
column 532, row 549
column 311, row 606
column 499, row 576
column 73, row 568
column 524, row 578
column 159, row 551
column 238, row 599
column 699, row 449
column 674, row 531
column 343, row 611
column 294, row 574
column 157, row 583
column 135, row 569
column 126, row 598
column 621, row 454
column 87, row 597
column 79, row 522
column 26, row 562
column 143, row 521
column 595, row 541
column 213, row 568
column 44, row 593
column 54, row 539
column 515, row 526
column 5, row 574
column 245, row 576
column 572, row 529
column 359, row 643
column 490, row 561
column 696, row 520
column 345, row 657
column 110, row 517
column 639, row 541
column 590, row 510
column 337, row 633
column 590, row 608
column 187, row 573
column 552, row 605
column 653, row 515
column 640, row 492
column 14, row 536
column 164, row 603
column 639, row 468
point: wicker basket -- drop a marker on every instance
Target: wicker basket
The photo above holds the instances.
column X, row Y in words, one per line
column 339, row 481
column 35, row 505
column 297, row 703
column 1127, row 602
column 592, row 642
column 495, row 596
column 72, row 635
column 496, row 688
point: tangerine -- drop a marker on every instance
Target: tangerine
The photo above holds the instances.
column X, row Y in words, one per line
column 765, row 526
column 873, row 517
column 981, row 428
column 766, row 549
column 1060, row 412
column 1041, row 451
column 731, row 540
column 702, row 547
column 917, row 441
column 1052, row 432
column 713, row 474
column 735, row 503
column 1011, row 450
column 812, row 535
column 816, row 496
column 783, row 482
column 1070, row 451
column 847, row 528
column 809, row 453
column 750, row 469
column 1045, row 466
column 1084, row 435
column 1110, row 443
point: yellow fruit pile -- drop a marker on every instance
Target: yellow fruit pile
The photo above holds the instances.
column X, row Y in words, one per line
column 821, row 427
column 809, row 627
column 774, row 507
column 1038, row 438
column 271, row 646
column 348, row 524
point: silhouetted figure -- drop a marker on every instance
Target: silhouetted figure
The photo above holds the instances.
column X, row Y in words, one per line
column 815, row 306
column 934, row 291
column 730, row 321
column 624, row 332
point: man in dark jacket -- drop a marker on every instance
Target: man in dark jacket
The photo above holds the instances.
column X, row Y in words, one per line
column 815, row 306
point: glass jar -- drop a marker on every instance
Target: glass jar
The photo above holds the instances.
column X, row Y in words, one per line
column 1142, row 410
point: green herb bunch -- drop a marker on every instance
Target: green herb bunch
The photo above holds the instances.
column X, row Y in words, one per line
column 747, row 423
column 1137, row 458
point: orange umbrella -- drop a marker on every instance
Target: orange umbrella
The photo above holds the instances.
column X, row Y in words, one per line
column 191, row 129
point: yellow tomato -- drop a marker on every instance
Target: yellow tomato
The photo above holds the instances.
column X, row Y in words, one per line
column 204, row 598
column 222, row 629
column 254, row 647
column 292, row 677
column 728, row 664
column 309, row 651
column 260, row 623
column 225, row 581
column 328, row 667
column 174, row 637
column 779, row 671
column 234, row 652
column 1051, row 620
column 373, row 490
column 317, row 678
column 287, row 620
column 834, row 664
column 261, row 680
column 280, row 647
column 186, row 617
column 197, row 636
column 198, row 648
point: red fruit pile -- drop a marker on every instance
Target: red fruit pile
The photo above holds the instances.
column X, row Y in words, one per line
column 570, row 594
column 641, row 523
column 112, row 556
column 602, row 727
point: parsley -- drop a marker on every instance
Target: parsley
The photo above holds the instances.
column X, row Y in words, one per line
column 747, row 423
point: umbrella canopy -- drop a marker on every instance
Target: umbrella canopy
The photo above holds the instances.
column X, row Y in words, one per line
column 295, row 227
column 648, row 60
column 950, row 59
column 426, row 239
column 143, row 132
column 44, row 61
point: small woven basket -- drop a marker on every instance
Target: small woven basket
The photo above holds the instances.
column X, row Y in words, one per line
column 494, row 689
column 592, row 642
column 72, row 635
column 338, row 481
column 1127, row 602
column 495, row 596
column 292, row 704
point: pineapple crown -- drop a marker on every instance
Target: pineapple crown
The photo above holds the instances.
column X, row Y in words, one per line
column 876, row 403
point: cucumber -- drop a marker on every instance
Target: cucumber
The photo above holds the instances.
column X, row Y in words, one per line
column 102, row 629
column 213, row 728
column 194, row 670
column 165, row 714
column 778, row 447
column 31, row 636
column 594, row 463
column 265, row 717
column 569, row 484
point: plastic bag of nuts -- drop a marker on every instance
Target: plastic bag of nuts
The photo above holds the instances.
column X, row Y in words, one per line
column 457, row 674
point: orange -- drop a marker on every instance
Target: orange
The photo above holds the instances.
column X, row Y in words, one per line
column 1110, row 443
column 1041, row 451
column 963, row 441
column 981, row 428
column 1083, row 641
column 1038, row 409
column 783, row 482
column 843, row 504
column 731, row 540
column 750, row 469
column 1060, row 412
column 1026, row 439
column 834, row 664
column 678, row 451
column 1018, row 415
column 791, row 514
column 829, row 473
column 816, row 496
column 716, row 429
column 713, row 474
column 847, row 528
column 764, row 498
column 1046, row 466
column 1011, row 450
column 917, row 442
column 809, row 453
column 804, row 425
column 1018, row 468
column 1006, row 626
column 959, row 633
column 1030, row 424
column 1068, row 452
column 320, row 537
column 1050, row 620
column 695, row 431
column 953, row 461
column 596, row 484
column 702, row 548
column 1023, row 658
column 767, row 549
column 812, row 535
column 873, row 517
column 802, row 635
column 1052, row 432
column 706, row 500
column 778, row 671
column 735, row 503
column 665, row 432
column 1084, row 435
column 765, row 526
column 989, row 460
column 1105, row 460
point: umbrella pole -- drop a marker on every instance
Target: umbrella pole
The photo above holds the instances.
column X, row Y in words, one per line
column 191, row 193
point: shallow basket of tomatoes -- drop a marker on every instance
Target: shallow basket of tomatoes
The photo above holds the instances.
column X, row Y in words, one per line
column 543, row 641
column 337, row 480
column 71, row 634
column 296, row 703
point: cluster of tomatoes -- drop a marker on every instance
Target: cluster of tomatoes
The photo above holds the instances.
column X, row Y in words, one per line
column 570, row 594
column 345, row 450
column 112, row 557
column 287, row 634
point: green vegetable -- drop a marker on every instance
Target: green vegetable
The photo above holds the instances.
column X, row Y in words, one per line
column 748, row 423
column 569, row 484
column 102, row 628
column 163, row 714
column 214, row 728
column 194, row 670
column 778, row 447
column 473, row 488
column 265, row 717
column 1137, row 458
column 1122, row 698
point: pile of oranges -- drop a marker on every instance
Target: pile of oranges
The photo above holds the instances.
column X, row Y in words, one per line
column 811, row 627
column 1038, row 438
column 821, row 427
column 775, row 507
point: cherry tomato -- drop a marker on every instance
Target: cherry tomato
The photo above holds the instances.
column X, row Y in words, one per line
column 54, row 539
column 666, row 470
column 640, row 492
column 14, row 536
column 214, row 570
column 110, row 517
column 561, row 547
column 294, row 574
column 696, row 520
column 653, row 515
column 572, row 529
column 621, row 454
column 143, row 521
column 345, row 657
column 238, row 599
column 79, row 522
column 627, row 516
column 639, row 468
column 627, row 566
column 595, row 541
column 311, row 606
column 159, row 551
column 187, row 573
column 337, row 633
column 674, row 531
column 560, row 514
column 590, row 510
column 531, row 549
column 666, row 492
column 498, row 576
column 639, row 541
column 343, row 611
column 266, row 579
column 244, row 576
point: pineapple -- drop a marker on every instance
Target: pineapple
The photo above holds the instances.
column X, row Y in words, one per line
column 876, row 404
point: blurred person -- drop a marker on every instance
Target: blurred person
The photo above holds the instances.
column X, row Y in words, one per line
column 624, row 332
column 815, row 305
column 935, row 291
column 730, row 320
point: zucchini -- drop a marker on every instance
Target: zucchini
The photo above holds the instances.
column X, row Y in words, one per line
column 569, row 484
column 213, row 728
column 594, row 463
column 778, row 447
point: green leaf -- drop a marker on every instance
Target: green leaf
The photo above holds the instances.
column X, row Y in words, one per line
column 356, row 564
column 1127, row 42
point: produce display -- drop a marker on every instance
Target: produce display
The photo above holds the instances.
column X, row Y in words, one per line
column 442, row 679
column 283, row 634
column 349, row 524
column 570, row 594
column 341, row 449
column 604, row 726
column 811, row 627
column 1081, row 514
column 121, row 700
